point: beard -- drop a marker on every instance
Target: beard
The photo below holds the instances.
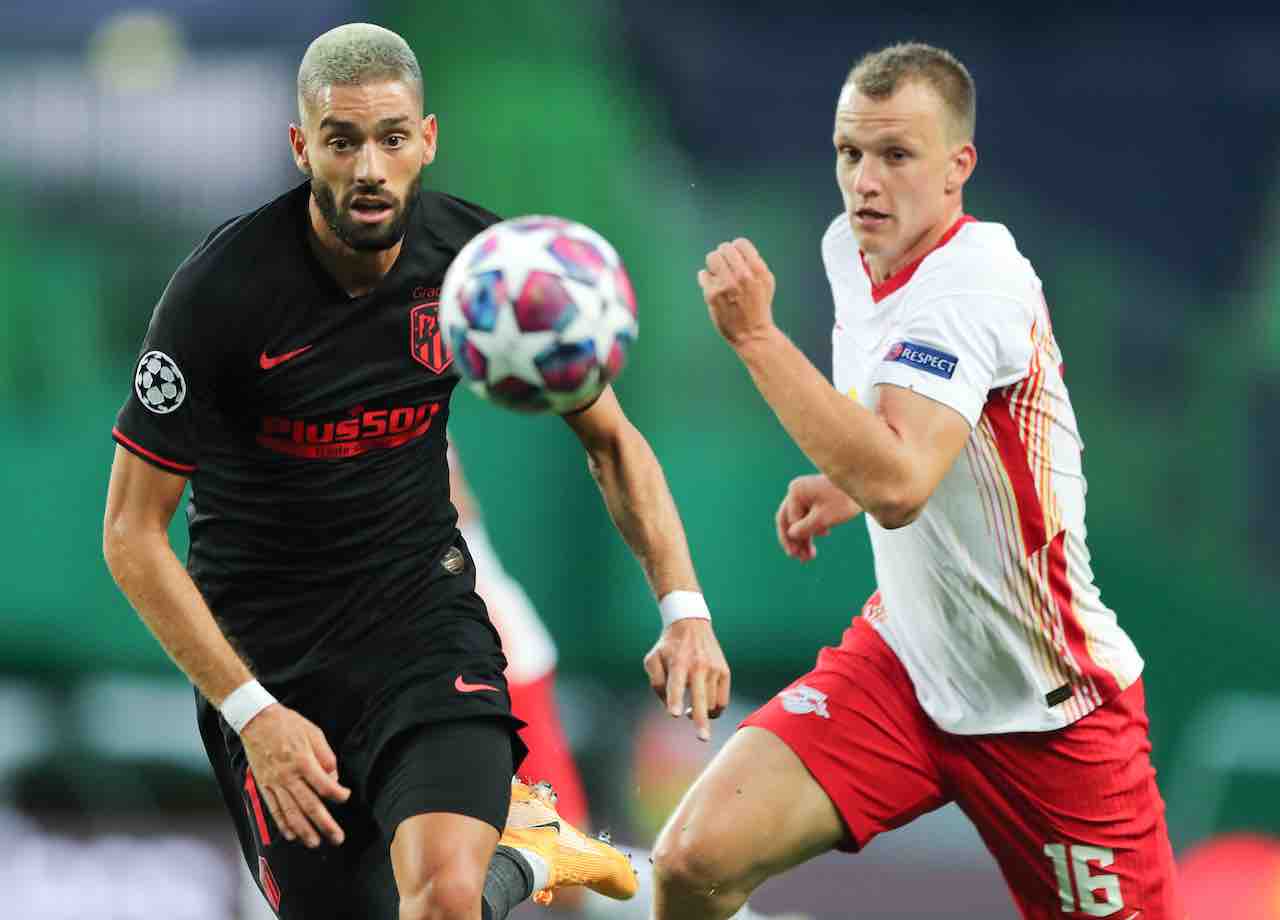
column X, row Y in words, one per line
column 366, row 237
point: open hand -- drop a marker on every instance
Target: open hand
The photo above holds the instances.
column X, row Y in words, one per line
column 811, row 507
column 294, row 769
column 687, row 656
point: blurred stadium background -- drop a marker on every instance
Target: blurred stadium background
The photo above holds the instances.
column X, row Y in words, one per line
column 1133, row 153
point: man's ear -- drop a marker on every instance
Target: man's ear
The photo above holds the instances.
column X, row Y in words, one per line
column 963, row 161
column 298, row 146
column 430, row 139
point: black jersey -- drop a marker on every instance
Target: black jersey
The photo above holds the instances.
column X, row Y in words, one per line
column 312, row 428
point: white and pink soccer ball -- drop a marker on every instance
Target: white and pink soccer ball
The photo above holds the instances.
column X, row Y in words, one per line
column 539, row 313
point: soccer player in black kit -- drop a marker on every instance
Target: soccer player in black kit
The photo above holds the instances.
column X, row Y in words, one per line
column 350, row 688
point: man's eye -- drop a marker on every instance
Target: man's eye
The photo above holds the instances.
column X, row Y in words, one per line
column 395, row 140
column 339, row 143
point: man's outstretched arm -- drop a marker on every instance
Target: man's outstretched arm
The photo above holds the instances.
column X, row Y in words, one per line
column 687, row 655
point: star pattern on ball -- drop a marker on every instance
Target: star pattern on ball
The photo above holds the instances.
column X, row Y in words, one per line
column 510, row 352
column 617, row 322
column 587, row 327
column 531, row 249
column 526, row 367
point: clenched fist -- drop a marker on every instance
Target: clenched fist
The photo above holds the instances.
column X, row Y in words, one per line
column 738, row 288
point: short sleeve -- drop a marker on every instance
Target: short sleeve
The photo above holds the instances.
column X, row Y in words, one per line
column 956, row 348
column 172, row 382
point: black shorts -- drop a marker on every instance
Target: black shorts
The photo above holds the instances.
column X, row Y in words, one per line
column 434, row 733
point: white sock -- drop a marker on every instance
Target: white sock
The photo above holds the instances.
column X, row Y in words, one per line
column 541, row 871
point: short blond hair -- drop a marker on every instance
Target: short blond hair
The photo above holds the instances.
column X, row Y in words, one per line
column 355, row 53
column 879, row 74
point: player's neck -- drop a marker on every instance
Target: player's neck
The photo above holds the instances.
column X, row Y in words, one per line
column 356, row 272
column 883, row 269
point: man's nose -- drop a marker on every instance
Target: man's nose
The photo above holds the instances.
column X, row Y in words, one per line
column 866, row 178
column 370, row 165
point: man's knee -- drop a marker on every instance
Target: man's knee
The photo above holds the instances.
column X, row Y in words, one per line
column 699, row 862
column 440, row 860
column 451, row 893
column 755, row 812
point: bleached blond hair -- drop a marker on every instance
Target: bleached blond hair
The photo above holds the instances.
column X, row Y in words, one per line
column 355, row 53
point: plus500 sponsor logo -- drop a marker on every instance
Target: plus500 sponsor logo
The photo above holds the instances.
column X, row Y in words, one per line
column 365, row 430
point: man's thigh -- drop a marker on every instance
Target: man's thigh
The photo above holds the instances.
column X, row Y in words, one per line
column 299, row 883
column 461, row 767
column 855, row 724
column 1073, row 817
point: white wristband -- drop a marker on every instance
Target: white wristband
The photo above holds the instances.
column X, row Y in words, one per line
column 683, row 605
column 245, row 702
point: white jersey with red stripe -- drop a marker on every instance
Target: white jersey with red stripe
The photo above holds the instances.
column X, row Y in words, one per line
column 530, row 650
column 987, row 597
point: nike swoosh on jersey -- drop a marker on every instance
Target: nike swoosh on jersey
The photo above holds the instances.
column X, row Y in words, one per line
column 266, row 362
column 463, row 687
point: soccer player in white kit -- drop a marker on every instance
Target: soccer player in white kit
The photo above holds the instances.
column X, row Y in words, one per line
column 985, row 670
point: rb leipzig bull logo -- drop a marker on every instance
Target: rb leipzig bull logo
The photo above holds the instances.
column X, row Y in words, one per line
column 425, row 341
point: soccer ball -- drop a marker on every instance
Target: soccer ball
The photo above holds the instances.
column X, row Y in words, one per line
column 539, row 313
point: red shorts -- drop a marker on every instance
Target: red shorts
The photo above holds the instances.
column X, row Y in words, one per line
column 1073, row 817
column 549, row 756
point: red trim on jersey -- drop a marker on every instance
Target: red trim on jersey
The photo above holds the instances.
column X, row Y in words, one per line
column 269, row 886
column 1013, row 456
column 886, row 287
column 1060, row 588
column 251, row 789
column 137, row 448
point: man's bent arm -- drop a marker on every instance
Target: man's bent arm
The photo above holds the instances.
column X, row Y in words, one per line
column 141, row 500
column 888, row 461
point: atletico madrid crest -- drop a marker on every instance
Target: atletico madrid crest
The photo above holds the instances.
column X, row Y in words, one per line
column 425, row 341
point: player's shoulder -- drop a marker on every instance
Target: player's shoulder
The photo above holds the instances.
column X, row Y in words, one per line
column 246, row 249
column 450, row 219
column 981, row 258
column 841, row 257
column 838, row 239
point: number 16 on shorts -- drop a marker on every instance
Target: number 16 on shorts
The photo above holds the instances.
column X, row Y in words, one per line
column 1094, row 895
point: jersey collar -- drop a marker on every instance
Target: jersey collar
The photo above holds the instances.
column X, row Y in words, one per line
column 886, row 287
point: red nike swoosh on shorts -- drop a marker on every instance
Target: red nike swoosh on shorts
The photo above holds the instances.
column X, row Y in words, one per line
column 266, row 362
column 463, row 687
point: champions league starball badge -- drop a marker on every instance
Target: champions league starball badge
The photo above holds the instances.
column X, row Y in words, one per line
column 159, row 383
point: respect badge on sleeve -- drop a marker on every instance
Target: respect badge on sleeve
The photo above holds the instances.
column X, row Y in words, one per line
column 922, row 357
